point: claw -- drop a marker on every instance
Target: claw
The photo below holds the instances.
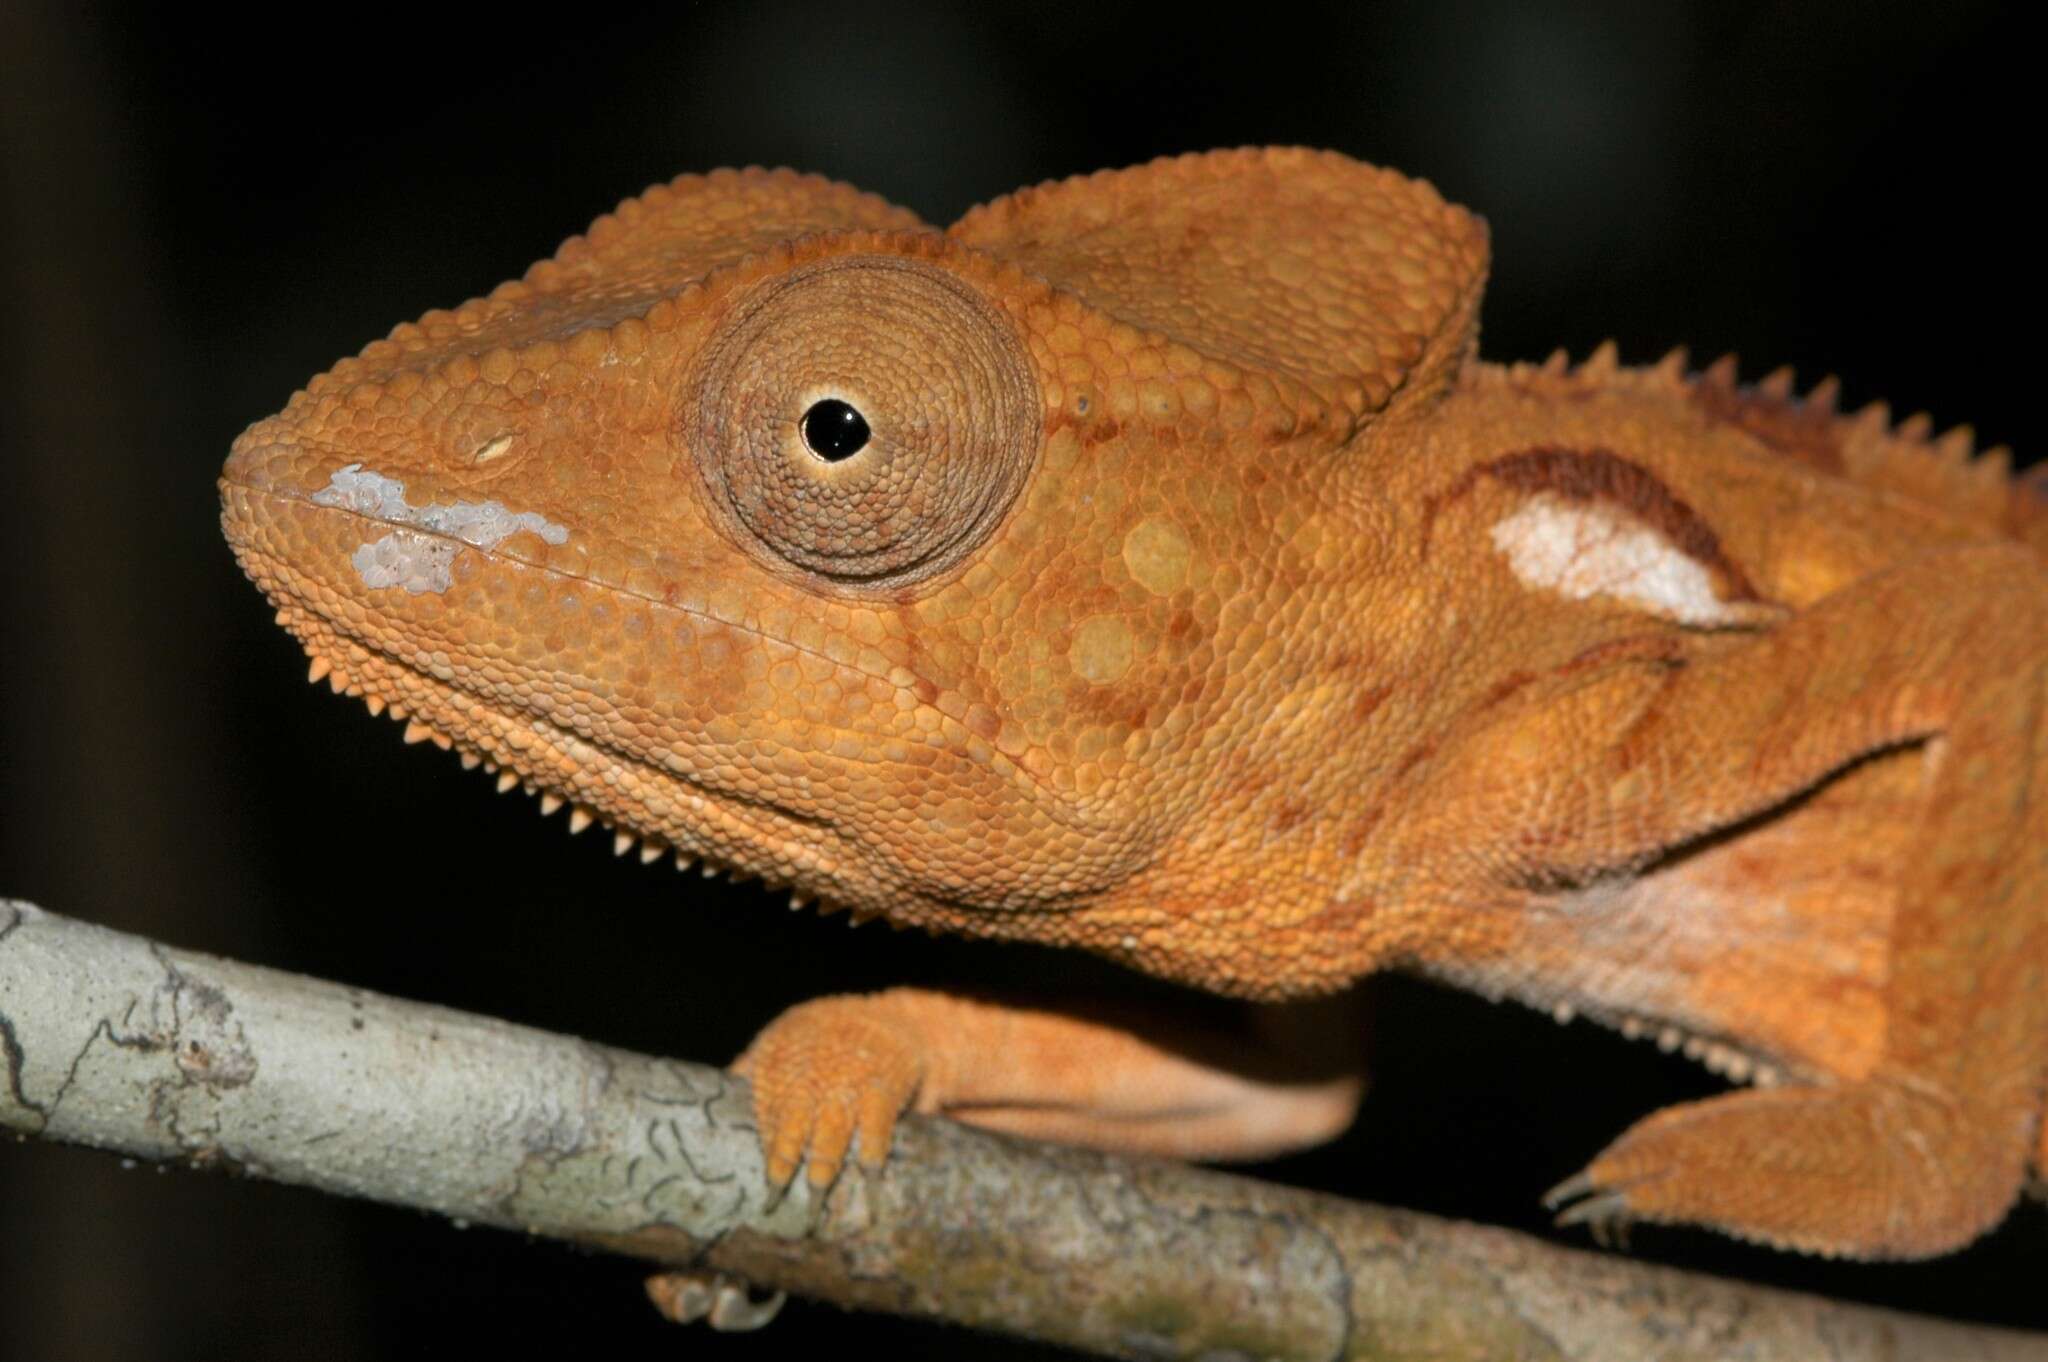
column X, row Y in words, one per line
column 1571, row 1189
column 720, row 1301
column 1604, row 1209
column 681, row 1297
column 1605, row 1212
column 734, row 1311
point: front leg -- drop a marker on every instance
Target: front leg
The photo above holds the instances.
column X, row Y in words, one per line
column 834, row 1074
column 1929, row 1148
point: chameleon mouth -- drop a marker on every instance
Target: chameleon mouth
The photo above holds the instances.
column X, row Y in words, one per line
column 527, row 749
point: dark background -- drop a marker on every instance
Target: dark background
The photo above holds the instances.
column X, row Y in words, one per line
column 202, row 211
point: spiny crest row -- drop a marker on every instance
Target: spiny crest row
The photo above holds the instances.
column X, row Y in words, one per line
column 1779, row 386
column 581, row 817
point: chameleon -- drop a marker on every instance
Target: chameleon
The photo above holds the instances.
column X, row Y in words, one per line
column 1147, row 564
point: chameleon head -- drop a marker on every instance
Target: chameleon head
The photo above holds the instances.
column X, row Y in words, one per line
column 933, row 574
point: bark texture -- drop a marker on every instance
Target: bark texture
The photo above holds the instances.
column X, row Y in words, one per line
column 121, row 1043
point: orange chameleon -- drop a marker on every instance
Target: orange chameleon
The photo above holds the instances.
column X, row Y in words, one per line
column 1148, row 564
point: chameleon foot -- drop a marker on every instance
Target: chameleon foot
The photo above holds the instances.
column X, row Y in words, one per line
column 826, row 1072
column 1864, row 1170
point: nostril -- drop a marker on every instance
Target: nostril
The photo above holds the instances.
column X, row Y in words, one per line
column 496, row 448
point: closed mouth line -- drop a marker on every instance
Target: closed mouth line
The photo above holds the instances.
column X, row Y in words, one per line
column 650, row 602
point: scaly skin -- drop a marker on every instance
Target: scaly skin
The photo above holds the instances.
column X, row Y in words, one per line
column 1197, row 597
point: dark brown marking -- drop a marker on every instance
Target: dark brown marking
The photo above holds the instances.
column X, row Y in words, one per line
column 2028, row 517
column 1634, row 744
column 1601, row 475
column 1415, row 756
column 1502, row 689
column 1364, row 706
column 1290, row 816
column 1360, row 832
column 1657, row 650
column 1804, row 432
column 1337, row 917
column 1244, row 778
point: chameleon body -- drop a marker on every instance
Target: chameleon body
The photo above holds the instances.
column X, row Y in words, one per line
column 1147, row 564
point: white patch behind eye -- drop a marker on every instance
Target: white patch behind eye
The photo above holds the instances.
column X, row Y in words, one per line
column 417, row 561
column 1586, row 549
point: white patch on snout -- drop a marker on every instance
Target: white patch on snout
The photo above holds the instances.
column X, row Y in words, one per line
column 1585, row 549
column 419, row 559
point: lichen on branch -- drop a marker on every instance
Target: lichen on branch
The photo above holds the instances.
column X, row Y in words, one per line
column 123, row 1044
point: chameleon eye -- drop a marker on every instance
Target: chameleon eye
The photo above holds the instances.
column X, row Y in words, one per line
column 891, row 358
column 834, row 430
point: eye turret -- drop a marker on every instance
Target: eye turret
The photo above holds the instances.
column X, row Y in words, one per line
column 868, row 419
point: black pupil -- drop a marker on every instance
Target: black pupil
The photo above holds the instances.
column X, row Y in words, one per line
column 834, row 430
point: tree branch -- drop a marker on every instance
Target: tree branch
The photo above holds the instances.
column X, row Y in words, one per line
column 118, row 1042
